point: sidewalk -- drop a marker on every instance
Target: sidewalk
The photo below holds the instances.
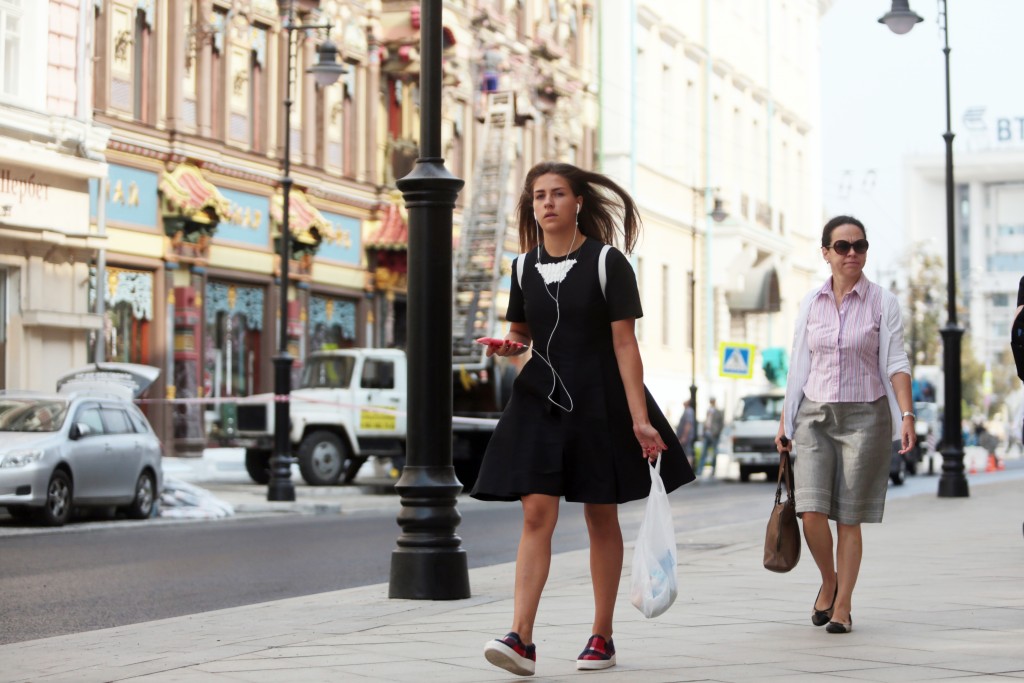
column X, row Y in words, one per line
column 221, row 471
column 940, row 597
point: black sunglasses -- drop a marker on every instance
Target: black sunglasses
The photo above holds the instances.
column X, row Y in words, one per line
column 842, row 247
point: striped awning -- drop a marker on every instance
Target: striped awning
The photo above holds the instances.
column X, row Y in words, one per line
column 305, row 222
column 187, row 192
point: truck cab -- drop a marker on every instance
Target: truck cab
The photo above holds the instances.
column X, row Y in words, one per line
column 350, row 404
column 751, row 436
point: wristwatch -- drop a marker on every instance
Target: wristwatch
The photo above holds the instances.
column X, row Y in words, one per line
column 910, row 414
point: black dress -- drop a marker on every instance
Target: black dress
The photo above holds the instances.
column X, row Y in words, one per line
column 586, row 449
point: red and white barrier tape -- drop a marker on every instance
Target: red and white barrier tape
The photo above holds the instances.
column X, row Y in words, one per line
column 278, row 398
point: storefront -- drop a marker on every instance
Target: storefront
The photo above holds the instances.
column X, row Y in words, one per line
column 191, row 285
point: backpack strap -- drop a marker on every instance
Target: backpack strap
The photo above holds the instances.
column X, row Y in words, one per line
column 602, row 268
column 519, row 269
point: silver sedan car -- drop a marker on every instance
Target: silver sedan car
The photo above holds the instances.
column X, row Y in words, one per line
column 86, row 446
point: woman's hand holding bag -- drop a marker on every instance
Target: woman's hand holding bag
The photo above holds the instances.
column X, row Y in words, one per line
column 653, row 585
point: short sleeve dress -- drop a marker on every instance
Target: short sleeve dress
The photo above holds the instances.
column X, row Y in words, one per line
column 584, row 450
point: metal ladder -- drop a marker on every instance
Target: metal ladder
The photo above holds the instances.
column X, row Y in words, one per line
column 483, row 238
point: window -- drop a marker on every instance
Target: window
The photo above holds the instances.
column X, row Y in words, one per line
column 116, row 421
column 23, row 44
column 378, row 374
column 90, row 416
column 1001, row 300
column 348, row 123
column 142, row 67
column 11, row 56
column 258, row 92
column 139, row 421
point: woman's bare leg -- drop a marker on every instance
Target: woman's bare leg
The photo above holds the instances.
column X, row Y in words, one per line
column 848, row 557
column 605, row 562
column 819, row 541
column 533, row 560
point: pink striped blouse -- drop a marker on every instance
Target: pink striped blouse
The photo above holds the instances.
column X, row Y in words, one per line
column 844, row 345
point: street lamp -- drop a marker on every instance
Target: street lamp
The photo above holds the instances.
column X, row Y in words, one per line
column 718, row 214
column 326, row 71
column 429, row 563
column 952, row 483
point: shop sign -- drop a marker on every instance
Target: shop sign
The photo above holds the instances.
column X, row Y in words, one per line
column 131, row 197
column 248, row 219
column 38, row 199
column 343, row 242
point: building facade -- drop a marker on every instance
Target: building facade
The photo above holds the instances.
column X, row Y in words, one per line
column 988, row 231
column 714, row 105
column 193, row 94
column 50, row 150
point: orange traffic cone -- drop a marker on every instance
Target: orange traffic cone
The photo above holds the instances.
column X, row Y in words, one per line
column 991, row 466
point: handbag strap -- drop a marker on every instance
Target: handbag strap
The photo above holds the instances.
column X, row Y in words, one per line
column 785, row 476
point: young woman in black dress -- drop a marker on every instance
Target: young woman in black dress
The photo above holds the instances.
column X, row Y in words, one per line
column 580, row 424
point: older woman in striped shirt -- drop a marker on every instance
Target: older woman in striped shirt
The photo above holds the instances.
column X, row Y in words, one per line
column 848, row 397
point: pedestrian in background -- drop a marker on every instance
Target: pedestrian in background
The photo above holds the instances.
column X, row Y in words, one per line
column 686, row 429
column 580, row 423
column 714, row 422
column 847, row 398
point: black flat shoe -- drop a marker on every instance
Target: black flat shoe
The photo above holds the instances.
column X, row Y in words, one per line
column 839, row 627
column 821, row 617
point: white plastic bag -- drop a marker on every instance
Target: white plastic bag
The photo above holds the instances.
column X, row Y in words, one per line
column 653, row 585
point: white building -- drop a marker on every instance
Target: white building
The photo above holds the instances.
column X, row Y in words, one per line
column 989, row 234
column 704, row 100
column 49, row 151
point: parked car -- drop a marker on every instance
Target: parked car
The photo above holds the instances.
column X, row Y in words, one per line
column 87, row 445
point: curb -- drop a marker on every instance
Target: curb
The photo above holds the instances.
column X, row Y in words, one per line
column 288, row 507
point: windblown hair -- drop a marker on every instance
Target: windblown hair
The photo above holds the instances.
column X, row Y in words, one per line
column 608, row 212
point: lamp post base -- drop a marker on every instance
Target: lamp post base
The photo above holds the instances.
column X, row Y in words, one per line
column 429, row 574
column 953, row 483
column 429, row 563
column 280, row 486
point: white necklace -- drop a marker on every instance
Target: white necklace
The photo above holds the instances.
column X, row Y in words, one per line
column 555, row 272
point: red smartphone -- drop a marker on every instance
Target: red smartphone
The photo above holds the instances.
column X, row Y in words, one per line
column 494, row 341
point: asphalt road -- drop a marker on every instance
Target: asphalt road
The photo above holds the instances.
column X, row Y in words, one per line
column 95, row 575
column 128, row 572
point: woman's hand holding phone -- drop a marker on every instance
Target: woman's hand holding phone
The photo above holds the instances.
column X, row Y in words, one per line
column 501, row 347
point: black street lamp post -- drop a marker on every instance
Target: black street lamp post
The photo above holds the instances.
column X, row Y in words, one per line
column 429, row 563
column 326, row 71
column 718, row 214
column 952, row 484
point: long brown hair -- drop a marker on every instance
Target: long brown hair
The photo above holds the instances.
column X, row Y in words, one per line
column 608, row 211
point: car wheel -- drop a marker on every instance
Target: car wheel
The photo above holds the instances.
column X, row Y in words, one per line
column 257, row 464
column 59, row 496
column 145, row 497
column 322, row 457
column 744, row 473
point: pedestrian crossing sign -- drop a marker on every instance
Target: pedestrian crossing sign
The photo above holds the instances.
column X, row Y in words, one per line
column 736, row 360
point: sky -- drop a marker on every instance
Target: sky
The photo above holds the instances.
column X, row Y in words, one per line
column 883, row 99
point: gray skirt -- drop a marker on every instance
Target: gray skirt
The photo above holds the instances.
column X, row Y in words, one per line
column 842, row 460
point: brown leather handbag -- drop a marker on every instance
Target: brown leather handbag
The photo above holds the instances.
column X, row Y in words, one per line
column 782, row 539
